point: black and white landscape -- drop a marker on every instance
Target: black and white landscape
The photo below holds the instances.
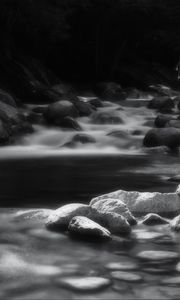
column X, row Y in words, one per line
column 89, row 149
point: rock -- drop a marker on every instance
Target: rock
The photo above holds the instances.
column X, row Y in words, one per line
column 66, row 91
column 86, row 228
column 173, row 123
column 57, row 111
column 126, row 276
column 110, row 91
column 113, row 206
column 96, row 102
column 23, row 128
column 140, row 203
column 39, row 109
column 175, row 178
column 147, row 235
column 83, row 108
column 38, row 215
column 69, row 123
column 9, row 113
column 169, row 137
column 154, row 219
column 7, row 98
column 35, row 118
column 171, row 280
column 158, row 256
column 175, row 224
column 123, row 265
column 80, row 138
column 83, row 138
column 119, row 134
column 162, row 120
column 116, row 223
column 60, row 218
column 137, row 132
column 4, row 133
column 85, row 284
column 111, row 117
column 161, row 103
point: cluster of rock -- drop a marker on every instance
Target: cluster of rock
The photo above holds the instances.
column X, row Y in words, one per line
column 167, row 124
column 110, row 214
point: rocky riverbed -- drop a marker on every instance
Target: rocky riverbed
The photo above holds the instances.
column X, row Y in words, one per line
column 73, row 153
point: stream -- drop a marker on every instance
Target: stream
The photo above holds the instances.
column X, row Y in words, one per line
column 41, row 171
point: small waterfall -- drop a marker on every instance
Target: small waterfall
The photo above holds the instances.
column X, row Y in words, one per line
column 123, row 137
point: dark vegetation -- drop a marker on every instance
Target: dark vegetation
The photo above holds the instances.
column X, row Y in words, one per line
column 134, row 42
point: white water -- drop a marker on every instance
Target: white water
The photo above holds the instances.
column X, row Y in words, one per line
column 50, row 140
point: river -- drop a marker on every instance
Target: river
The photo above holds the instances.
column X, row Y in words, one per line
column 40, row 172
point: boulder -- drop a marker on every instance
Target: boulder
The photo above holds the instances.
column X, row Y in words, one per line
column 169, row 137
column 154, row 219
column 80, row 138
column 39, row 109
column 110, row 91
column 111, row 117
column 161, row 103
column 120, row 134
column 69, row 123
column 9, row 113
column 83, row 138
column 5, row 133
column 140, row 203
column 84, row 108
column 86, row 228
column 162, row 120
column 113, row 206
column 173, row 123
column 34, row 215
column 7, row 98
column 60, row 218
column 35, row 118
column 116, row 223
column 175, row 224
column 96, row 102
column 57, row 111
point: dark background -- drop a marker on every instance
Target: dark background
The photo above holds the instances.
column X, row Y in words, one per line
column 134, row 42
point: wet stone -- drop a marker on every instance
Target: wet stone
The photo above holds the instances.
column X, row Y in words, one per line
column 147, row 235
column 171, row 280
column 123, row 265
column 158, row 256
column 85, row 284
column 126, row 276
column 154, row 219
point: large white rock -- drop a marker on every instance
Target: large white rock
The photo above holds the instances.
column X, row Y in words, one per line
column 175, row 224
column 84, row 227
column 110, row 205
column 145, row 202
column 60, row 218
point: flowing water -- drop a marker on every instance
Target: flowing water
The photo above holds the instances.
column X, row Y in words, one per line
column 39, row 171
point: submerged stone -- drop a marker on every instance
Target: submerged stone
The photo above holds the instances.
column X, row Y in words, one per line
column 171, row 280
column 154, row 219
column 123, row 265
column 85, row 284
column 126, row 276
column 60, row 218
column 84, row 227
column 158, row 256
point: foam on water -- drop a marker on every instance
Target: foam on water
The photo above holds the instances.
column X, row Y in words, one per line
column 51, row 140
